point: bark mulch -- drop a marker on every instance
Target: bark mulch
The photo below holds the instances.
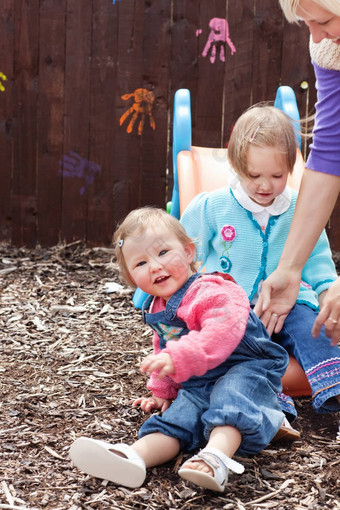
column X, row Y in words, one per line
column 70, row 355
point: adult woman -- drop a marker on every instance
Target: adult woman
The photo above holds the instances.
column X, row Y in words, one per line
column 321, row 182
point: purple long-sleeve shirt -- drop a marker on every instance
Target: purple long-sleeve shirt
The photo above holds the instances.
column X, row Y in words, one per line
column 325, row 149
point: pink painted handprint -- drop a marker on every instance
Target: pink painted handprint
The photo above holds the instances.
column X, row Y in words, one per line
column 218, row 36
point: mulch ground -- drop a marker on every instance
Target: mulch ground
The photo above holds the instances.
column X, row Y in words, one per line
column 70, row 356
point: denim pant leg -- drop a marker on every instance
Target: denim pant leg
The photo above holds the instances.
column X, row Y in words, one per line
column 246, row 396
column 287, row 405
column 182, row 419
column 319, row 360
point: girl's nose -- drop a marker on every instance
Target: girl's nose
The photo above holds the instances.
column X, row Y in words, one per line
column 155, row 265
column 264, row 185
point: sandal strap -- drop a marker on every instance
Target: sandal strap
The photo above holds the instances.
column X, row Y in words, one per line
column 222, row 459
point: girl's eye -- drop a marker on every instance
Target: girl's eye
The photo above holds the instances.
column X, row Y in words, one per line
column 141, row 263
column 277, row 176
column 163, row 252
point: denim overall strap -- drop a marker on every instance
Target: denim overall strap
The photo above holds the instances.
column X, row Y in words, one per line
column 146, row 306
column 166, row 323
column 176, row 299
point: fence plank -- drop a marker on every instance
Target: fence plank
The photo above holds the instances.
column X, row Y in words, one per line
column 100, row 217
column 127, row 141
column 26, row 52
column 208, row 103
column 239, row 69
column 6, row 114
column 295, row 63
column 183, row 62
column 74, row 156
column 156, row 44
column 50, row 119
column 268, row 30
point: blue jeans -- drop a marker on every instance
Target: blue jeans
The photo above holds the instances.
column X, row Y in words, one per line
column 319, row 360
column 241, row 392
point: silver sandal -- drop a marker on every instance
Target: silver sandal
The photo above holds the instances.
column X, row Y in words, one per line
column 219, row 463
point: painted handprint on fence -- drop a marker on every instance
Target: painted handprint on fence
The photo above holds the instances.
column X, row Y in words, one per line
column 3, row 77
column 142, row 106
column 73, row 165
column 217, row 39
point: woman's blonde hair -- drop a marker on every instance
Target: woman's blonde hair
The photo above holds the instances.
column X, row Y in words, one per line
column 135, row 224
column 262, row 126
column 290, row 7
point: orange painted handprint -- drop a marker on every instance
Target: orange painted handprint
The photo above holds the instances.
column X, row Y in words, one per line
column 142, row 106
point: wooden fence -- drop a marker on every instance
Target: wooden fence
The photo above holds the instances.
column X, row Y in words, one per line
column 86, row 97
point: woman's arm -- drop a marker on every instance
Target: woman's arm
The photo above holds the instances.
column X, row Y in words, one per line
column 316, row 200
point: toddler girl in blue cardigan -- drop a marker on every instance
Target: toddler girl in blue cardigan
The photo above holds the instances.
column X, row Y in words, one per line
column 242, row 229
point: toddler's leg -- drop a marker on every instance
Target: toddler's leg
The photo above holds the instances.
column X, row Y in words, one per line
column 246, row 396
column 156, row 448
column 120, row 463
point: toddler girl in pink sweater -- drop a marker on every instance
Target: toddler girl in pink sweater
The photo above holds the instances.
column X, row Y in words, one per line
column 214, row 371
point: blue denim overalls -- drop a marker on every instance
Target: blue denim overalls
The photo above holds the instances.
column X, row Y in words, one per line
column 240, row 392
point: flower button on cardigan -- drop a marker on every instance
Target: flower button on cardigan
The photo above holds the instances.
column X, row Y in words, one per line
column 228, row 234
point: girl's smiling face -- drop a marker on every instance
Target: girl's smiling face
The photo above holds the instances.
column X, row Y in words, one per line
column 267, row 175
column 157, row 261
column 322, row 23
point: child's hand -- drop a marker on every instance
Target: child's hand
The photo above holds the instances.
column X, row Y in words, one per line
column 147, row 404
column 161, row 362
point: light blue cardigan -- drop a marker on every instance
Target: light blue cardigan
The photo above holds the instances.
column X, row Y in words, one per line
column 230, row 240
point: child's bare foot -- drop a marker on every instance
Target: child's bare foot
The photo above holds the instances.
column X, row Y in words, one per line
column 209, row 469
column 199, row 465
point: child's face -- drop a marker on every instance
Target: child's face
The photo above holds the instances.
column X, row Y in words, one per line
column 157, row 261
column 267, row 177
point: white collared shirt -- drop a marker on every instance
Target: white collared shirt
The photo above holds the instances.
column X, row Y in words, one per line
column 261, row 214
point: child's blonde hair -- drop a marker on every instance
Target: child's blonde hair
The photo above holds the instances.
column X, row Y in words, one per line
column 290, row 7
column 262, row 126
column 135, row 224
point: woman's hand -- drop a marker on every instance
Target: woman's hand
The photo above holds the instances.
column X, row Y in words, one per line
column 278, row 296
column 161, row 362
column 329, row 314
column 148, row 404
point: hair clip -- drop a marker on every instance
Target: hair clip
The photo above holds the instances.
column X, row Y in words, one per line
column 120, row 242
column 252, row 138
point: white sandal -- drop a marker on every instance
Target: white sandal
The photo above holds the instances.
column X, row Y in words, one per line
column 118, row 463
column 219, row 463
column 286, row 433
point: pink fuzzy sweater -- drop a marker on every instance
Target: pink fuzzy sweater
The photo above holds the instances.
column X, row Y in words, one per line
column 216, row 313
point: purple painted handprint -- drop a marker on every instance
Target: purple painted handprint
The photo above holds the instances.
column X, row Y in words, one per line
column 73, row 165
